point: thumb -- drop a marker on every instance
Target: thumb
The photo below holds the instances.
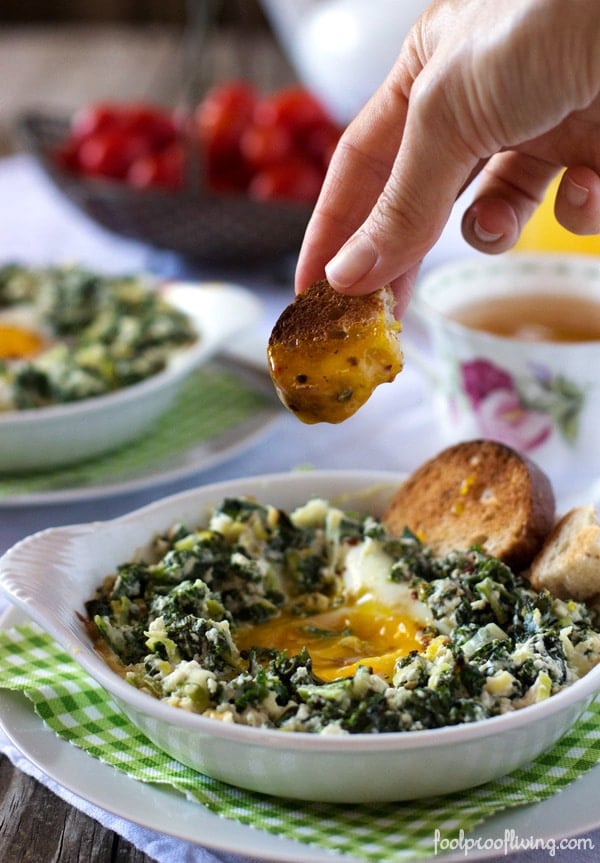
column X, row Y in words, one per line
column 577, row 205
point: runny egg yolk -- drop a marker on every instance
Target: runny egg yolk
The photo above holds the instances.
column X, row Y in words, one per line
column 364, row 632
column 17, row 343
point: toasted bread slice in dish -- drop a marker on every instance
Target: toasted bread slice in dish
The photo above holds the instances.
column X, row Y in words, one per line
column 328, row 351
column 568, row 564
column 477, row 493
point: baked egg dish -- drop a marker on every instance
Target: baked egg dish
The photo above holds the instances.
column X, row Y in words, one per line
column 67, row 334
column 22, row 334
column 318, row 620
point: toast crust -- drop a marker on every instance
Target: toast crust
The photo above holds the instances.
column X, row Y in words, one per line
column 568, row 565
column 477, row 493
column 328, row 351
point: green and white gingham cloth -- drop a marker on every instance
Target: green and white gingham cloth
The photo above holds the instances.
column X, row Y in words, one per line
column 80, row 711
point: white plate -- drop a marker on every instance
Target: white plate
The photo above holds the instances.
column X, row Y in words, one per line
column 175, row 465
column 572, row 812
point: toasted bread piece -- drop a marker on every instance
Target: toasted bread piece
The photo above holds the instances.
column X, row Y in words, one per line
column 328, row 352
column 477, row 493
column 568, row 564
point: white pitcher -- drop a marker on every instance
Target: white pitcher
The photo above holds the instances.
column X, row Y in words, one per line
column 342, row 49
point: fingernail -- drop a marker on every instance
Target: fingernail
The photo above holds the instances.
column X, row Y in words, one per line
column 575, row 194
column 483, row 235
column 354, row 260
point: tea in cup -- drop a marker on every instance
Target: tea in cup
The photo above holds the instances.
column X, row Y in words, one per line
column 515, row 344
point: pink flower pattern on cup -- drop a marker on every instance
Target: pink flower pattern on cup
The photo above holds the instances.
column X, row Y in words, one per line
column 522, row 420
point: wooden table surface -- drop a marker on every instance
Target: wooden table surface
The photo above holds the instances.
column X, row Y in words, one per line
column 59, row 69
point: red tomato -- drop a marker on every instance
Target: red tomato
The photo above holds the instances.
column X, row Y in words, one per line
column 95, row 118
column 105, row 138
column 293, row 107
column 223, row 114
column 264, row 145
column 67, row 155
column 156, row 124
column 321, row 142
column 277, row 146
column 165, row 169
column 109, row 154
column 227, row 173
column 292, row 179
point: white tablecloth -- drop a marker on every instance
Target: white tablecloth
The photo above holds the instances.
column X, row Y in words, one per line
column 395, row 430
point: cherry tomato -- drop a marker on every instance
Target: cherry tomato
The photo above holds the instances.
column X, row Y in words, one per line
column 321, row 142
column 157, row 125
column 276, row 146
column 226, row 172
column 223, row 114
column 291, row 179
column 105, row 138
column 66, row 155
column 165, row 169
column 134, row 118
column 109, row 154
column 95, row 118
column 264, row 145
column 294, row 108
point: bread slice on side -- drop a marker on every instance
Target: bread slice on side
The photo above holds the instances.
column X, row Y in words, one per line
column 328, row 352
column 477, row 493
column 568, row 564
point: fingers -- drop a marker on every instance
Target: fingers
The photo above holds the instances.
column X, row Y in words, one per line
column 403, row 289
column 577, row 205
column 408, row 216
column 395, row 176
column 491, row 225
column 357, row 172
column 511, row 187
column 402, row 163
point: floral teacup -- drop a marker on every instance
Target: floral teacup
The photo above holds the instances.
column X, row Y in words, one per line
column 537, row 395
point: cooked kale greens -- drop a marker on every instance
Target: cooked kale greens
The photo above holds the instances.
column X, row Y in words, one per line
column 105, row 333
column 492, row 643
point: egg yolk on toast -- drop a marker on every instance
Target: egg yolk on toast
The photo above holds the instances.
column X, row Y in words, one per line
column 328, row 352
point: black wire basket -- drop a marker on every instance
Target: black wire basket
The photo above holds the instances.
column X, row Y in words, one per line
column 219, row 229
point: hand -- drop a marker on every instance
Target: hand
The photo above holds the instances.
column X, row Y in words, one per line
column 509, row 91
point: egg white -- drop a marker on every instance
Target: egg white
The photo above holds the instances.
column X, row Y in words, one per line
column 25, row 316
column 367, row 575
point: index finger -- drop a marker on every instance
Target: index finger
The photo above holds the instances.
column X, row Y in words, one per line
column 358, row 171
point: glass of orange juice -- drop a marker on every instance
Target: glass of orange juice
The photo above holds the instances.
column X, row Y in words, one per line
column 544, row 234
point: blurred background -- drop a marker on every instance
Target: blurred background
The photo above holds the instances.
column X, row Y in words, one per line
column 60, row 55
column 57, row 56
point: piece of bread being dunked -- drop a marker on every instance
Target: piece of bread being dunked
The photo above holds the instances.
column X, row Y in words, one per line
column 478, row 493
column 328, row 351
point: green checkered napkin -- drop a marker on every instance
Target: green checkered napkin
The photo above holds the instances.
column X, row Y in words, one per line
column 79, row 711
column 210, row 403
